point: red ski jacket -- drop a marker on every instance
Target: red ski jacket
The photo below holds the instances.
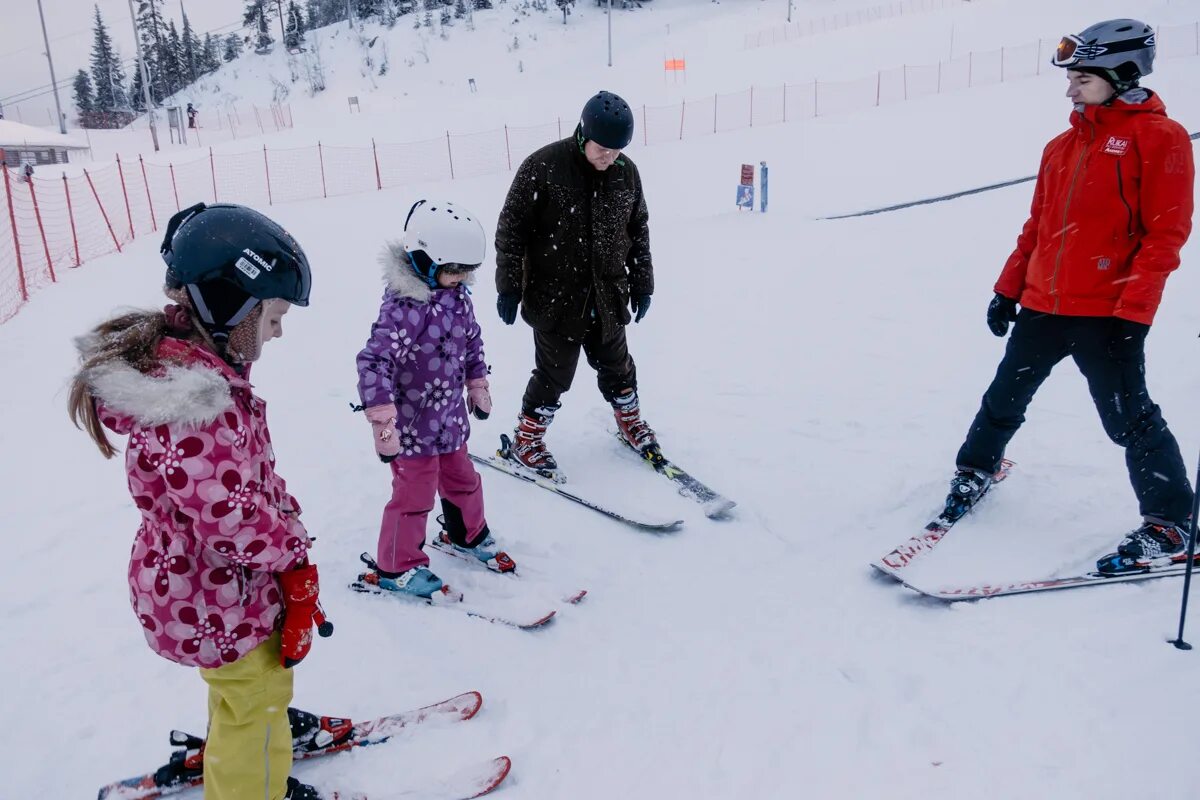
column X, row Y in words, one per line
column 1111, row 210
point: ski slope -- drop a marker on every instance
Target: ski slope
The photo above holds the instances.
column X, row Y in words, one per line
column 822, row 374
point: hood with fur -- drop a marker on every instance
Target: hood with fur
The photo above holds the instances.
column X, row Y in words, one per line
column 400, row 277
column 191, row 387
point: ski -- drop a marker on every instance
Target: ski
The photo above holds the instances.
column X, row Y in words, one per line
column 984, row 590
column 935, row 530
column 367, row 583
column 509, row 467
column 442, row 547
column 715, row 505
column 185, row 769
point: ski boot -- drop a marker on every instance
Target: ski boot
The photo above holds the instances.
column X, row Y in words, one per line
column 633, row 430
column 453, row 540
column 418, row 583
column 966, row 487
column 1151, row 545
column 528, row 445
column 311, row 733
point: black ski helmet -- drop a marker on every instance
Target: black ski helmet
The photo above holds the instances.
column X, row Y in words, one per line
column 607, row 120
column 229, row 258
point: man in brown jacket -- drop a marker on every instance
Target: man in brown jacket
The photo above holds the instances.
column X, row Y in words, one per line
column 573, row 251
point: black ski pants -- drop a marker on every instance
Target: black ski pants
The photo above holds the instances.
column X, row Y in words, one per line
column 557, row 356
column 1115, row 369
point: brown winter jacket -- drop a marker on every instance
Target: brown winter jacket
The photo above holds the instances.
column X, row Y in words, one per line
column 572, row 240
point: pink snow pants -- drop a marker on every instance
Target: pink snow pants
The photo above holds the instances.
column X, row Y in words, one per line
column 415, row 482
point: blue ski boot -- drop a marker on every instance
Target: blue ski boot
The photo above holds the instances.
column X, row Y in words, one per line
column 419, row 583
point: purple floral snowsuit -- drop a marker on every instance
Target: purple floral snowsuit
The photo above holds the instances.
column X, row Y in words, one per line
column 423, row 349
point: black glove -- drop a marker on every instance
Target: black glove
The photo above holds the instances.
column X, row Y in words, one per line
column 640, row 303
column 506, row 304
column 1127, row 339
column 1001, row 311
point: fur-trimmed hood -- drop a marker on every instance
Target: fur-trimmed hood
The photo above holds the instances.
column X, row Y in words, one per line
column 192, row 387
column 399, row 276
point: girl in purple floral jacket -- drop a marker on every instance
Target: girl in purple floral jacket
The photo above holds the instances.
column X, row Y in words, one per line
column 424, row 350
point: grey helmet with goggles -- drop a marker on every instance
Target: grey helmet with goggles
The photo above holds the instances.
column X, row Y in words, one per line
column 442, row 237
column 1119, row 50
column 229, row 258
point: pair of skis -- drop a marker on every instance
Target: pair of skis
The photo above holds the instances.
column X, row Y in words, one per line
column 185, row 769
column 715, row 506
column 896, row 563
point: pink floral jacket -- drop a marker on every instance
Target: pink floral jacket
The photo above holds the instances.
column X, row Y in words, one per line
column 217, row 520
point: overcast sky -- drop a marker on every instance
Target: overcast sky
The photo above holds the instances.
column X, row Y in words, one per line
column 69, row 23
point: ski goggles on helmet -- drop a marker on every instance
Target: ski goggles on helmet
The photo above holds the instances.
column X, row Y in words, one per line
column 1072, row 50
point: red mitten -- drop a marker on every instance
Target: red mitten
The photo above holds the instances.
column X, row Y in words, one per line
column 301, row 610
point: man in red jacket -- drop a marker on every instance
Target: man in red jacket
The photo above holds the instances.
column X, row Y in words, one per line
column 1111, row 209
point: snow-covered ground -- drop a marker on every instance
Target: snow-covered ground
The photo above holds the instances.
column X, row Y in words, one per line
column 820, row 373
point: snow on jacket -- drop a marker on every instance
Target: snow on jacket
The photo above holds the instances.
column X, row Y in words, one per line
column 423, row 349
column 1111, row 210
column 217, row 521
column 572, row 241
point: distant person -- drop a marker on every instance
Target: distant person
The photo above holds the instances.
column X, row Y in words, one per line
column 1112, row 208
column 573, row 250
column 191, row 115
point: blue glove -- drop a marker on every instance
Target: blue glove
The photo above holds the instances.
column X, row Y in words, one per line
column 506, row 304
column 640, row 304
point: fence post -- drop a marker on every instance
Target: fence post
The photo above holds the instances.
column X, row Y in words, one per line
column 12, row 218
column 149, row 202
column 71, row 217
column 128, row 210
column 939, row 87
column 815, row 98
column 37, row 214
column 450, row 155
column 682, row 112
column 258, row 117
column 507, row 149
column 174, row 188
column 878, row 86
column 645, row 128
column 375, row 155
column 906, row 82
column 1002, row 64
column 714, row 113
column 785, row 103
column 267, row 172
column 751, row 106
column 212, row 166
column 321, row 161
column 560, row 127
column 1038, row 69
column 970, row 66
column 103, row 213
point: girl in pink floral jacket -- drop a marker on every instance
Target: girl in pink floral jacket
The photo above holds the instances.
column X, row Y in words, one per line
column 219, row 576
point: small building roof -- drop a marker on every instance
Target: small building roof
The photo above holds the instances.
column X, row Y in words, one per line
column 16, row 134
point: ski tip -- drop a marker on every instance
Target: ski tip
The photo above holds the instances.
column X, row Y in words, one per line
column 488, row 776
column 538, row 623
column 575, row 599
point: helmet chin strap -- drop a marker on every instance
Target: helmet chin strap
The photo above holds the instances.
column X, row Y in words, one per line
column 219, row 330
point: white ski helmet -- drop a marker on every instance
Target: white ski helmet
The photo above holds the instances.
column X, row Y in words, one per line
column 443, row 235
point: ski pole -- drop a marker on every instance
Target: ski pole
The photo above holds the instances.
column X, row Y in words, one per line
column 1187, row 575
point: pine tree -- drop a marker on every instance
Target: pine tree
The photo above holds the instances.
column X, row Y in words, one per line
column 256, row 19
column 171, row 62
column 154, row 34
column 191, row 53
column 232, row 49
column 108, row 78
column 136, row 94
column 367, row 8
column 483, row 5
column 84, row 100
column 295, row 26
column 460, row 9
column 210, row 56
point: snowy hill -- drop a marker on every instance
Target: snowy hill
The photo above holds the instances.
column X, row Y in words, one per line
column 820, row 373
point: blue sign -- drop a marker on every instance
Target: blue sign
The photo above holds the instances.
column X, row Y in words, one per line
column 745, row 197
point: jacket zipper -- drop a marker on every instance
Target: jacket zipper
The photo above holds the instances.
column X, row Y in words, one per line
column 1063, row 231
column 1128, row 209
